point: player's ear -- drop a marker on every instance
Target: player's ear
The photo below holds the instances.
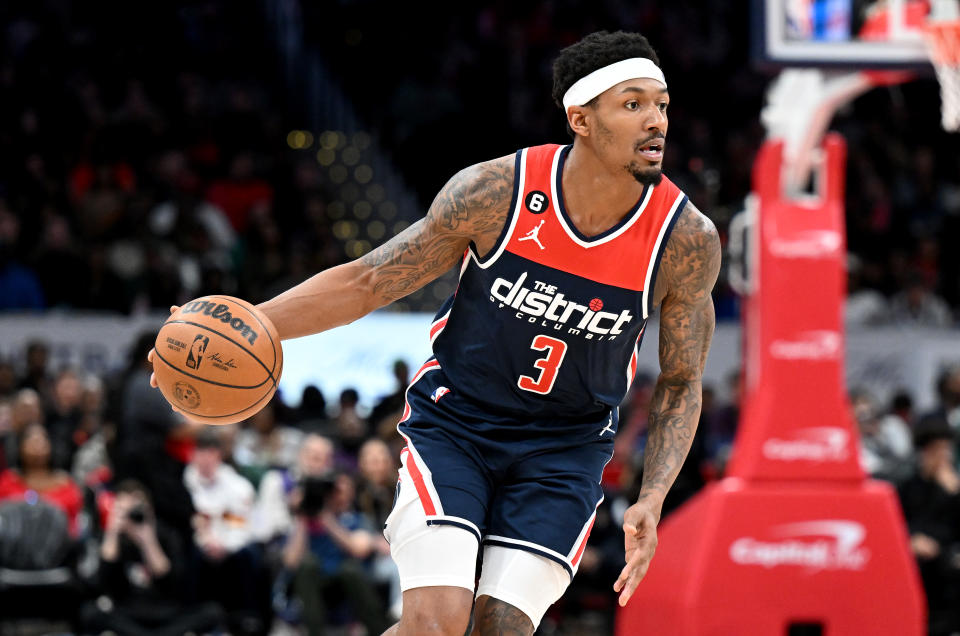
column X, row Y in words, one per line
column 577, row 118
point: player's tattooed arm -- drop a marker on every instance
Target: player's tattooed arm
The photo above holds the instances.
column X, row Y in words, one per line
column 688, row 271
column 471, row 207
column 691, row 262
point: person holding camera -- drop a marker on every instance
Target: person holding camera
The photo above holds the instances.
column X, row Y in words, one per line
column 324, row 551
column 141, row 574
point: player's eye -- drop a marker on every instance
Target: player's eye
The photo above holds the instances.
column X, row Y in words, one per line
column 632, row 105
column 662, row 106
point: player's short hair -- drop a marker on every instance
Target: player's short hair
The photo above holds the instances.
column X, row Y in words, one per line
column 595, row 51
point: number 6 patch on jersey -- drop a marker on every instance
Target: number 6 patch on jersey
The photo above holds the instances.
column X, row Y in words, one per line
column 549, row 365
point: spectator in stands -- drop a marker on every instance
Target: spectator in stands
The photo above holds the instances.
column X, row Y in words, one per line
column 377, row 484
column 25, row 410
column 228, row 564
column 948, row 393
column 242, row 193
column 895, row 426
column 63, row 416
column 60, row 264
column 311, row 415
column 377, row 481
column 35, row 375
column 34, row 476
column 19, row 287
column 864, row 306
column 147, row 432
column 8, row 380
column 351, row 429
column 389, row 410
column 325, row 550
column 280, row 490
column 883, row 452
column 931, row 505
column 263, row 444
column 142, row 574
column 918, row 306
column 91, row 464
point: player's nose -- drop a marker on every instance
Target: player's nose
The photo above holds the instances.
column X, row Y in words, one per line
column 655, row 121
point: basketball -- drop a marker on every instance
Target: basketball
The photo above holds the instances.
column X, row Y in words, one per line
column 218, row 359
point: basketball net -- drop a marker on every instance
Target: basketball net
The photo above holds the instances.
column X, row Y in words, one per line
column 943, row 42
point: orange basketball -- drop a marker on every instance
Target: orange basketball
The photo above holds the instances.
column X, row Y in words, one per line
column 218, row 359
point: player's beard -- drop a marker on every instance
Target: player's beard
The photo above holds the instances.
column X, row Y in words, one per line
column 649, row 176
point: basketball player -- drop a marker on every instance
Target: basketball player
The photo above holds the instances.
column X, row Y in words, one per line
column 563, row 252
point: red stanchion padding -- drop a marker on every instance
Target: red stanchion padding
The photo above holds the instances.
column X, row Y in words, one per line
column 745, row 559
column 795, row 419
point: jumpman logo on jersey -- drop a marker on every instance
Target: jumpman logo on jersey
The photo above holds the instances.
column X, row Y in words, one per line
column 609, row 426
column 533, row 235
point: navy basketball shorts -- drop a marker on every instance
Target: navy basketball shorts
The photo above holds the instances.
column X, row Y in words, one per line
column 526, row 490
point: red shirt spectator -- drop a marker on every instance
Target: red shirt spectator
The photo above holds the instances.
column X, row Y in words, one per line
column 240, row 193
column 37, row 480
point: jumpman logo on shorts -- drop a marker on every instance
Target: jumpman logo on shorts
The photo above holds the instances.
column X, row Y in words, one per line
column 533, row 235
column 609, row 426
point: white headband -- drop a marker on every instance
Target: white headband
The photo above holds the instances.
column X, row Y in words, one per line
column 589, row 86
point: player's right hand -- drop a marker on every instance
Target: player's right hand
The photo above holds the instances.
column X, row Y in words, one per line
column 153, row 376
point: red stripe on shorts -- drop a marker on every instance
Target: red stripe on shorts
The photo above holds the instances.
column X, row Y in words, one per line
column 583, row 544
column 419, row 484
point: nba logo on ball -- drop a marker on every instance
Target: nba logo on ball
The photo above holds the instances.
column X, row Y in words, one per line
column 186, row 395
column 196, row 351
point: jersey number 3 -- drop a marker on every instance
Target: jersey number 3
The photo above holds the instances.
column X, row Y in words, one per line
column 548, row 365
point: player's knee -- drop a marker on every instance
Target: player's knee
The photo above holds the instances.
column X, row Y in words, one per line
column 436, row 611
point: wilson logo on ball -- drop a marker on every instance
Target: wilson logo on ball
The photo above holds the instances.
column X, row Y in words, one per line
column 222, row 313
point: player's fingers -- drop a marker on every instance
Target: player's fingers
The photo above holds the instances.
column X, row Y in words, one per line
column 153, row 380
column 173, row 308
column 637, row 569
column 150, row 355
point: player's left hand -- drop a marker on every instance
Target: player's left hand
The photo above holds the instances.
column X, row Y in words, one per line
column 639, row 544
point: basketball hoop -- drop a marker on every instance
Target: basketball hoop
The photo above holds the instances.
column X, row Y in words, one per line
column 943, row 41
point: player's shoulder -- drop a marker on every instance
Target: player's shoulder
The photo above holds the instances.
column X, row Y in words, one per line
column 694, row 226
column 482, row 186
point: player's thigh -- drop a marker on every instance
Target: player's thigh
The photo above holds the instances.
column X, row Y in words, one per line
column 516, row 589
column 429, row 550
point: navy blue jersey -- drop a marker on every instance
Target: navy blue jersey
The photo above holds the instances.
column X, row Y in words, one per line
column 548, row 323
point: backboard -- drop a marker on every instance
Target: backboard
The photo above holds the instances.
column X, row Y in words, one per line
column 842, row 33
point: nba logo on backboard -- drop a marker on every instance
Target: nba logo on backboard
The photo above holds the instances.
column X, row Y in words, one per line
column 438, row 393
column 196, row 351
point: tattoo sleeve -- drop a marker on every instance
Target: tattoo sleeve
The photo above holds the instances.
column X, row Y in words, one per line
column 472, row 206
column 691, row 262
column 499, row 618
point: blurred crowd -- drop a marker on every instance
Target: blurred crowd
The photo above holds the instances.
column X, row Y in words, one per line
column 148, row 166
